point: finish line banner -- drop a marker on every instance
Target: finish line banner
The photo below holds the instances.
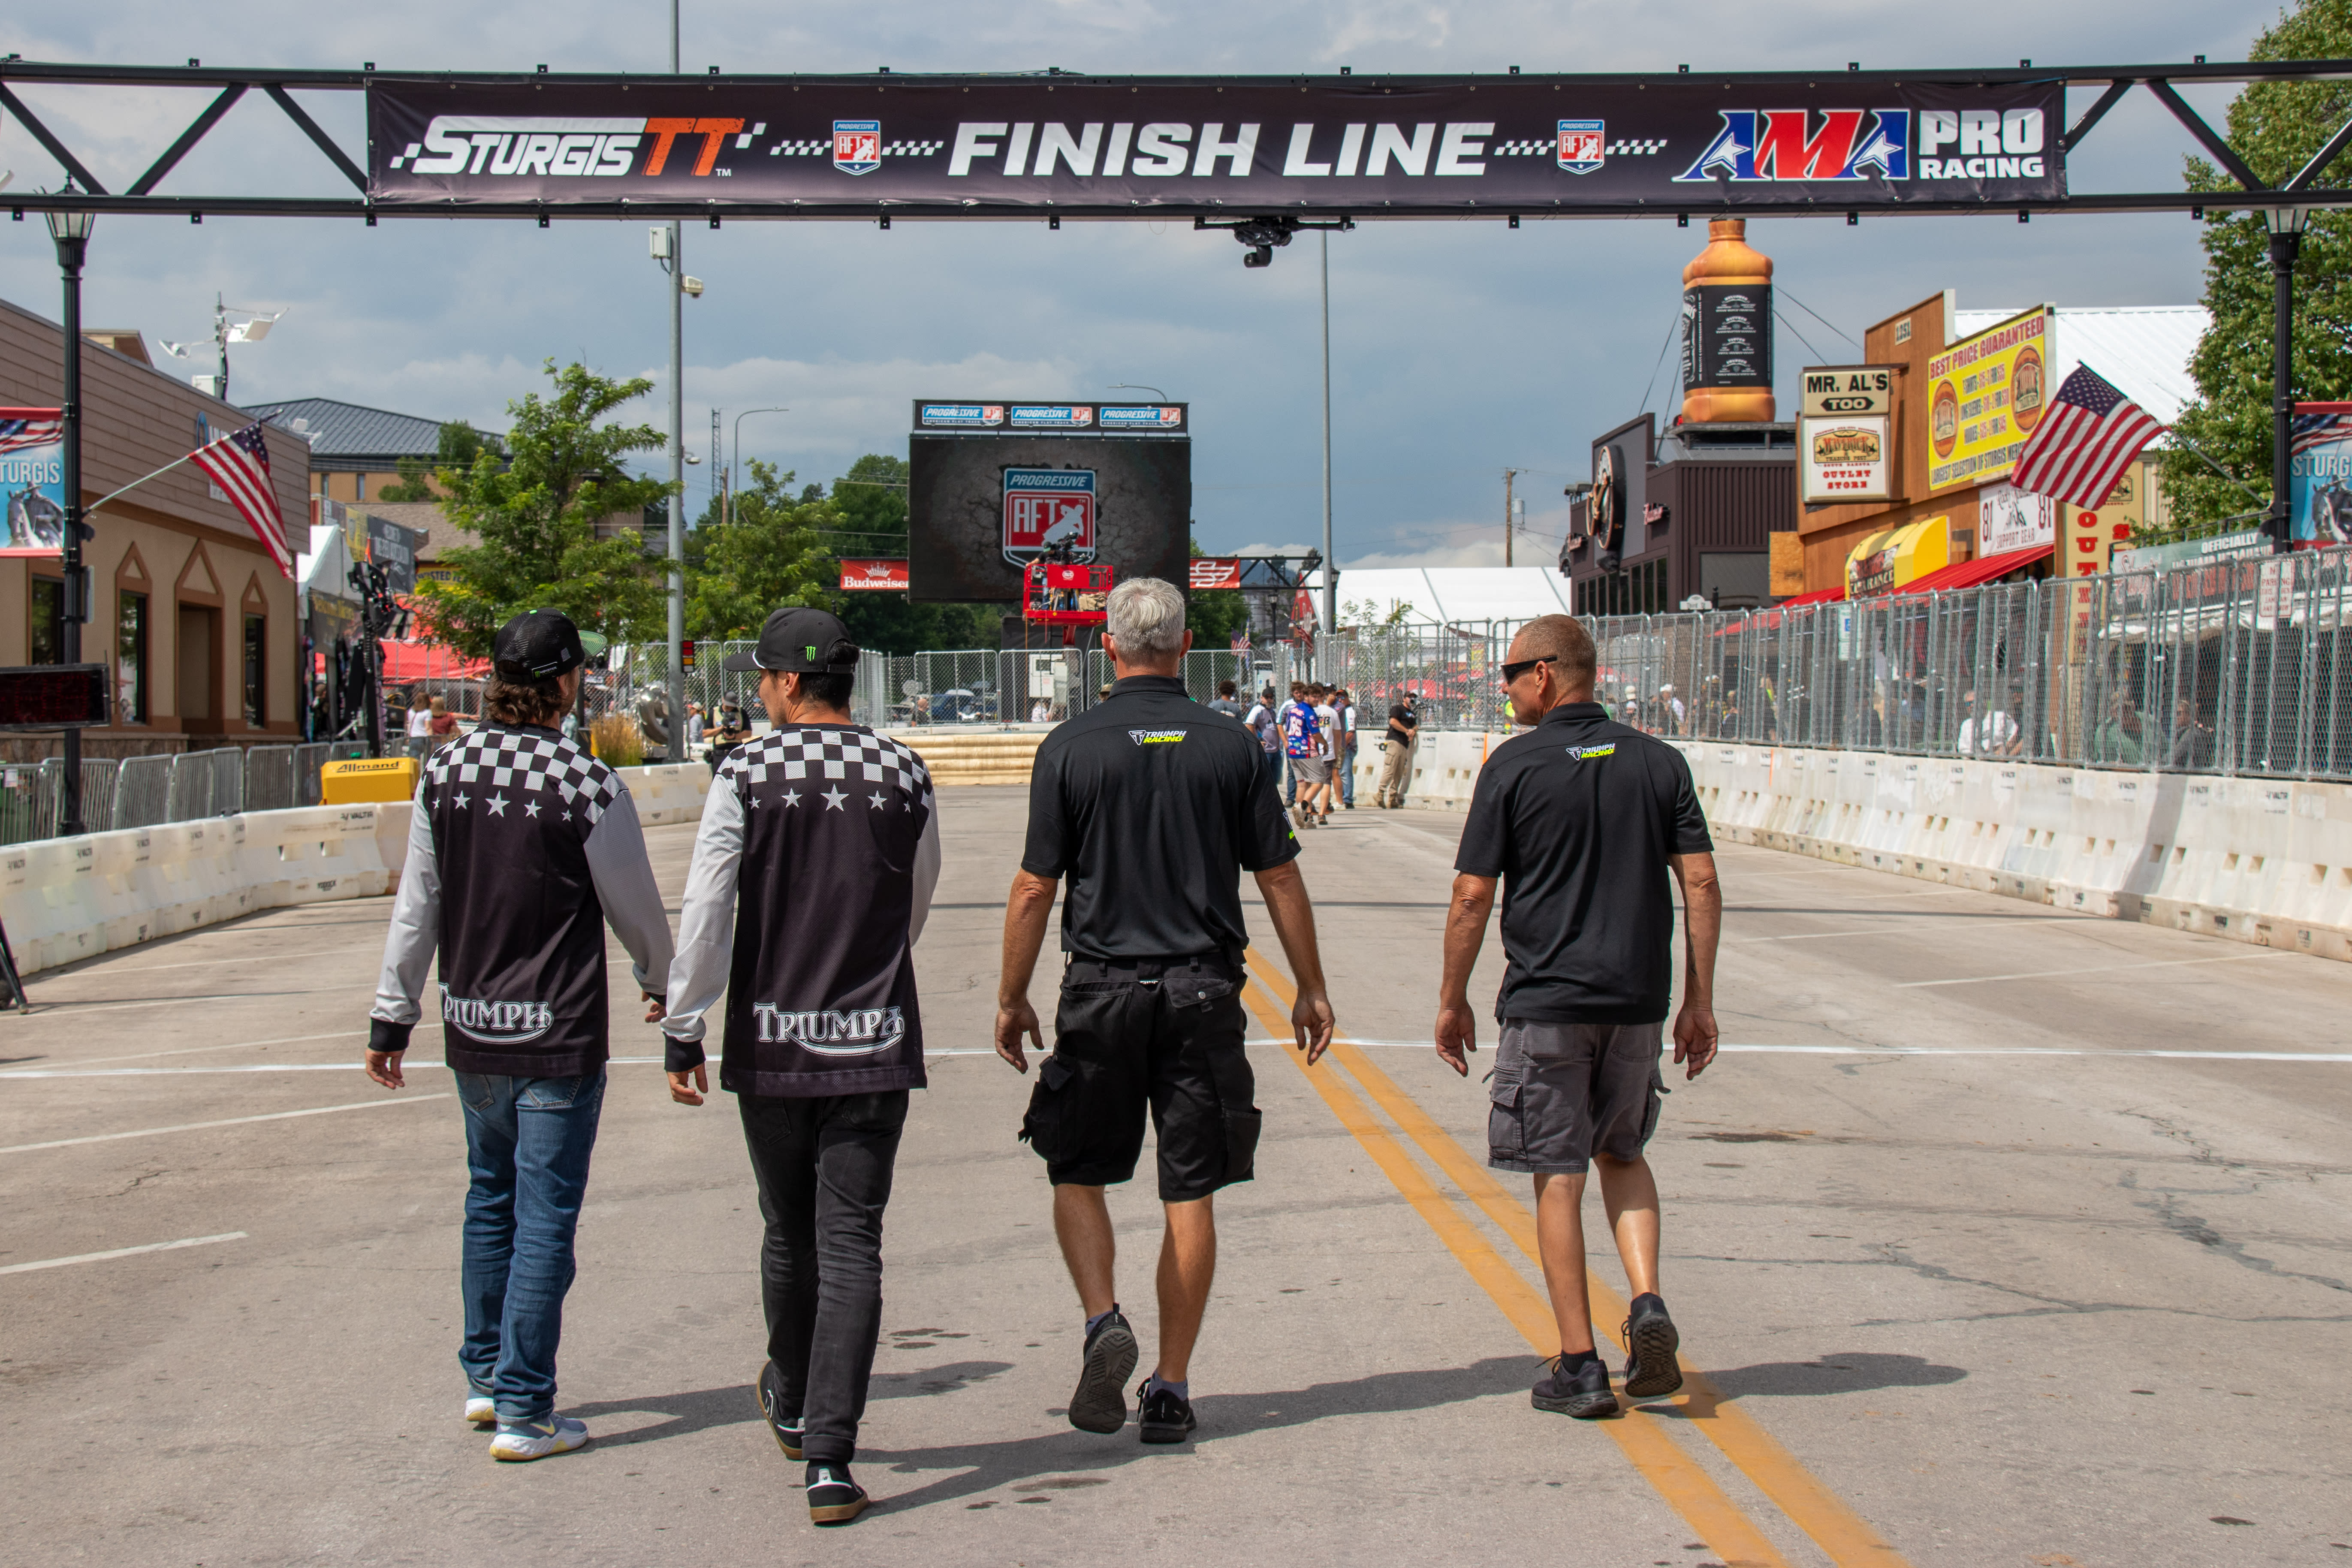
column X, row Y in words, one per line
column 984, row 147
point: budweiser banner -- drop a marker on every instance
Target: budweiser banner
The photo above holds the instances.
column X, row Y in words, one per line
column 874, row 576
column 1138, row 146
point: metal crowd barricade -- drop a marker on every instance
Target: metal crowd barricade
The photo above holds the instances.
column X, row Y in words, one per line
column 307, row 761
column 207, row 783
column 142, row 791
column 268, row 782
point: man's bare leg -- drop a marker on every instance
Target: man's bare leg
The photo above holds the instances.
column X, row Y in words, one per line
column 1082, row 1225
column 1559, row 1241
column 1187, row 1267
column 1630, row 1195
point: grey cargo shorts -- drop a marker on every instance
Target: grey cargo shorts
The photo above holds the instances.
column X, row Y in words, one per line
column 1562, row 1092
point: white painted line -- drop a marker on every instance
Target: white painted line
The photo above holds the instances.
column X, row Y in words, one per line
column 229, row 1045
column 2096, row 969
column 174, row 1072
column 229, row 1122
column 1939, row 929
column 53, row 1008
column 1930, row 1051
column 122, row 1252
column 213, row 963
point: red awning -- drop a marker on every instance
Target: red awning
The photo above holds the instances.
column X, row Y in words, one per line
column 1818, row 596
column 429, row 661
column 1973, row 574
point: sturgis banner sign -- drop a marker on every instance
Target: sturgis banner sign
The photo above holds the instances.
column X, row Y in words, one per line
column 1148, row 147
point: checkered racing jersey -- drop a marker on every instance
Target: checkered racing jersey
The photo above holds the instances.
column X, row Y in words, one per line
column 522, row 846
column 812, row 878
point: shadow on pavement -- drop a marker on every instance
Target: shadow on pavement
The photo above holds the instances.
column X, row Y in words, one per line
column 991, row 1466
column 1851, row 1372
column 694, row 1412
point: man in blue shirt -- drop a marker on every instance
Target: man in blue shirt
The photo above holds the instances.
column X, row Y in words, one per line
column 1302, row 742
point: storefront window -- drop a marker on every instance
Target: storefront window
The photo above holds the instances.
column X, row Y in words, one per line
column 130, row 658
column 46, row 624
column 255, row 643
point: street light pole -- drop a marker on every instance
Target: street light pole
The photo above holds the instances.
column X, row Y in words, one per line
column 1330, row 566
column 676, row 723
column 70, row 231
column 2286, row 243
column 738, row 470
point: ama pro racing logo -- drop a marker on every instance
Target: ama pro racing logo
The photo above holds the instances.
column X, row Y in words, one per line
column 1771, row 145
column 497, row 1023
column 827, row 1031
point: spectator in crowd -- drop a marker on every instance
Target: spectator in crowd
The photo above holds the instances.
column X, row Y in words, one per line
column 693, row 729
column 2192, row 742
column 441, row 725
column 1396, row 748
column 1984, row 734
column 1343, row 703
column 1673, row 705
column 1267, row 725
column 2121, row 737
column 420, row 726
column 1042, row 710
column 1223, row 701
column 1327, row 712
column 1302, row 742
column 730, row 732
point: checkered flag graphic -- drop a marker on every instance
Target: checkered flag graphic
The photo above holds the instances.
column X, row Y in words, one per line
column 1522, row 149
column 1638, row 149
column 811, row 149
column 790, row 756
column 912, row 148
column 494, row 768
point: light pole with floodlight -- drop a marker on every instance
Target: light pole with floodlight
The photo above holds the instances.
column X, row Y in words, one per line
column 735, row 471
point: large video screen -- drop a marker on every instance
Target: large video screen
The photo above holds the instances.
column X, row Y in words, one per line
column 981, row 506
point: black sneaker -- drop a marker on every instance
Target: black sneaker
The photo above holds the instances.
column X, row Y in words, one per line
column 1100, row 1402
column 1651, row 1342
column 786, row 1430
column 833, row 1497
column 1163, row 1414
column 1584, row 1394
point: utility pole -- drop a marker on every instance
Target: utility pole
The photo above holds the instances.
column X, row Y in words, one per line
column 2287, row 242
column 675, row 726
column 1508, row 475
column 1330, row 566
column 70, row 232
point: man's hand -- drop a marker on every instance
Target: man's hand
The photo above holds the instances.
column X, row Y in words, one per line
column 654, row 1011
column 1311, row 1023
column 1695, row 1037
column 1457, row 1037
column 385, row 1067
column 1015, row 1019
column 688, row 1087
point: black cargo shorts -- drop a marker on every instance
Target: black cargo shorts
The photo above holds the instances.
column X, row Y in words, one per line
column 1561, row 1093
column 1162, row 1036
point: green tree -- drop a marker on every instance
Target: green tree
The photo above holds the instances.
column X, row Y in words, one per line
column 768, row 556
column 1215, row 615
column 2277, row 127
column 536, row 514
column 459, row 445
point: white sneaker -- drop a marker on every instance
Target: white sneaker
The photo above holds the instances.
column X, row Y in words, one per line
column 537, row 1440
column 481, row 1409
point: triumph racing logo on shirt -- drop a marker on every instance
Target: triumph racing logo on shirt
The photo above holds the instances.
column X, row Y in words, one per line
column 828, row 1033
column 1583, row 753
column 1155, row 737
column 497, row 1023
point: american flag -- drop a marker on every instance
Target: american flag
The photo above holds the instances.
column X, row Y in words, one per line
column 23, row 427
column 240, row 464
column 2318, row 429
column 2089, row 436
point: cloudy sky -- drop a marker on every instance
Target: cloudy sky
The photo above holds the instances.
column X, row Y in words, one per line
column 1458, row 349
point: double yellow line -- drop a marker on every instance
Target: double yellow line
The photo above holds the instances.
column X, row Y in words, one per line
column 1843, row 1535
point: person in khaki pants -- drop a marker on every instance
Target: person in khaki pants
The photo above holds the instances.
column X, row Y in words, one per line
column 1396, row 763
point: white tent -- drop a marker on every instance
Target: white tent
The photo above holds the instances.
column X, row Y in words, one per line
column 1446, row 595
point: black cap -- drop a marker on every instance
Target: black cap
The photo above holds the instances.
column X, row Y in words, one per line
column 538, row 645
column 800, row 639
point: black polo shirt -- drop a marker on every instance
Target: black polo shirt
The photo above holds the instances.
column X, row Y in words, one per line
column 1578, row 816
column 1152, row 805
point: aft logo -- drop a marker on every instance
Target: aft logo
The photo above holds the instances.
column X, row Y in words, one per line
column 828, row 1032
column 857, row 146
column 1044, row 508
column 1774, row 144
column 497, row 1023
column 1583, row 146
column 1155, row 737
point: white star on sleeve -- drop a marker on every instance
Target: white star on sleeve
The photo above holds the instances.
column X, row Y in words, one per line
column 498, row 806
column 463, row 800
column 792, row 797
column 876, row 798
column 833, row 799
column 531, row 808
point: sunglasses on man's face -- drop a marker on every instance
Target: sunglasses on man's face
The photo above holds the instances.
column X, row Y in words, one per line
column 1511, row 672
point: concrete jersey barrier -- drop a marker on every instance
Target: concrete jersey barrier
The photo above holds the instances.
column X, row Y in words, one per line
column 64, row 900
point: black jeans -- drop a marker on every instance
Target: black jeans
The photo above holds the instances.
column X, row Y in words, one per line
column 825, row 1168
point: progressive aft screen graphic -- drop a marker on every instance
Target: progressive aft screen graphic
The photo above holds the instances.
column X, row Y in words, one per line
column 1361, row 145
column 981, row 506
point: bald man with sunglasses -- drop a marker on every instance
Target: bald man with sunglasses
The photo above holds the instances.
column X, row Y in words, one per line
column 1581, row 819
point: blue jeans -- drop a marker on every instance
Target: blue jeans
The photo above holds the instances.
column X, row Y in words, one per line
column 1346, row 764
column 527, row 1145
column 1277, row 774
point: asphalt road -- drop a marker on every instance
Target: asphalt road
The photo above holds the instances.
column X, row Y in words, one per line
column 2071, row 1302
